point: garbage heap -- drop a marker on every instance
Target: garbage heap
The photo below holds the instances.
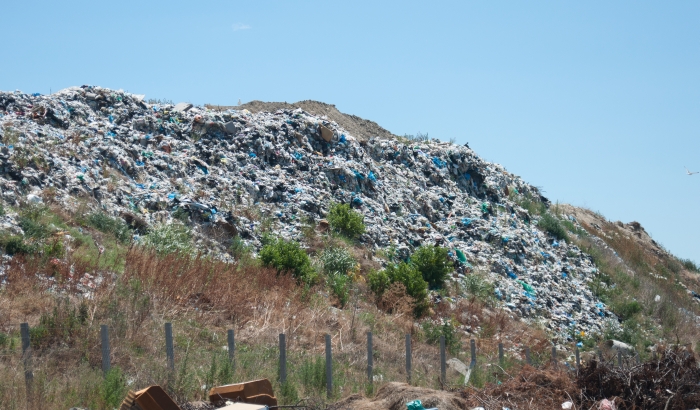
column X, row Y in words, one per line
column 146, row 162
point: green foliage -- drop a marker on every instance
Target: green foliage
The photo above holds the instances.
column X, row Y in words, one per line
column 288, row 393
column 109, row 225
column 337, row 260
column 626, row 309
column 288, row 257
column 114, row 387
column 551, row 225
column 531, row 205
column 690, row 265
column 345, row 220
column 313, row 374
column 2, row 210
column 170, row 238
column 15, row 245
column 410, row 277
column 433, row 331
column 239, row 249
column 181, row 215
column 433, row 264
column 476, row 286
column 340, row 286
column 378, row 281
column 31, row 224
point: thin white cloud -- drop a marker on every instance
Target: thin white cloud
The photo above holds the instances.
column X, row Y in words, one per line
column 241, row 26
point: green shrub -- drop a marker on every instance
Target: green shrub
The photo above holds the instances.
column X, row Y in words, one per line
column 409, row 276
column 239, row 249
column 337, row 260
column 170, row 238
column 345, row 220
column 340, row 286
column 336, row 263
column 107, row 224
column 433, row 331
column 476, row 286
column 33, row 228
column 15, row 245
column 378, row 281
column 551, row 225
column 433, row 264
column 2, row 210
column 627, row 309
column 114, row 387
column 288, row 257
column 313, row 374
column 690, row 265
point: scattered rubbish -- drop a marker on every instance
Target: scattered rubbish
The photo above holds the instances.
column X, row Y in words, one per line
column 606, row 404
column 567, row 405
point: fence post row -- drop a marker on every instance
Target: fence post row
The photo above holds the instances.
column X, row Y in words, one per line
column 443, row 363
column 408, row 358
column 283, row 358
column 370, row 358
column 329, row 368
column 104, row 335
column 27, row 359
column 169, row 351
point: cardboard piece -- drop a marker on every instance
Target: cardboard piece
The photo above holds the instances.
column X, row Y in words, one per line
column 326, row 134
column 150, row 398
column 256, row 392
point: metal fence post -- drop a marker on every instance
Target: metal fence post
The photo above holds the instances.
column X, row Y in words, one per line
column 500, row 353
column 578, row 357
column 329, row 367
column 370, row 358
column 472, row 344
column 27, row 359
column 231, row 345
column 443, row 362
column 104, row 335
column 554, row 356
column 283, row 358
column 408, row 358
column 528, row 359
column 169, row 351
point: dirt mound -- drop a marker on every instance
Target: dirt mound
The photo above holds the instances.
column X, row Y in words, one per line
column 357, row 127
column 394, row 396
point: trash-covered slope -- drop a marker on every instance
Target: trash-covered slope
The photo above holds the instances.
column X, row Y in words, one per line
column 145, row 162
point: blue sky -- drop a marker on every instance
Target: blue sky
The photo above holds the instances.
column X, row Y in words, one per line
column 596, row 102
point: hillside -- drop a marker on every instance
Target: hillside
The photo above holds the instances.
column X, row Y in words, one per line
column 118, row 211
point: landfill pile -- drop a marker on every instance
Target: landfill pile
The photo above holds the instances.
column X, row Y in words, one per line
column 146, row 163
